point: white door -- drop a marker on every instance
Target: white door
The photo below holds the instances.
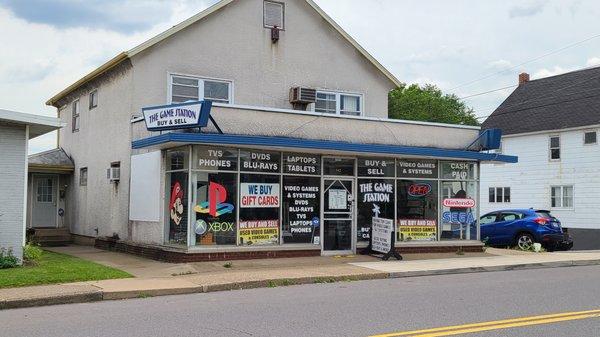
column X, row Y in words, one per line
column 44, row 201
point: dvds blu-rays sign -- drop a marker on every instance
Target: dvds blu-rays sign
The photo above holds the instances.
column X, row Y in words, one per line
column 177, row 116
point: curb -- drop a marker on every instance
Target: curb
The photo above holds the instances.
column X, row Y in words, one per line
column 101, row 295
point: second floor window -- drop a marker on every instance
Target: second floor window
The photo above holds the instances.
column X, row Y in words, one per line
column 499, row 194
column 93, row 99
column 83, row 176
column 590, row 137
column 554, row 148
column 338, row 103
column 186, row 88
column 75, row 116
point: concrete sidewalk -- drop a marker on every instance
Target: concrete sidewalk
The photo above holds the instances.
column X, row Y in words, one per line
column 157, row 278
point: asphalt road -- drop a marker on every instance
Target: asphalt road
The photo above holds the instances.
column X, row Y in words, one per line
column 361, row 308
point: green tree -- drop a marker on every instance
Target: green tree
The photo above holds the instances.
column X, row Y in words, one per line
column 428, row 104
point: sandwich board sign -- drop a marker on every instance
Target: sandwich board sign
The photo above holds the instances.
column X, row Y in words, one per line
column 177, row 116
column 382, row 238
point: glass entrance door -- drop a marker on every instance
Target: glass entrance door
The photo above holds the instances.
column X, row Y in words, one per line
column 338, row 215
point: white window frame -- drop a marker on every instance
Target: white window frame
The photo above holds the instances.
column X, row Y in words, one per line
column 282, row 14
column 200, row 80
column 590, row 131
column 338, row 102
column 502, row 194
column 75, row 115
column 550, row 148
column 561, row 188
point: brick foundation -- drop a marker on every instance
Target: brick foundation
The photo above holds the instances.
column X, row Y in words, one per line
column 173, row 255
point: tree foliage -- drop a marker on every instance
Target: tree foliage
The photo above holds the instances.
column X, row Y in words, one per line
column 429, row 104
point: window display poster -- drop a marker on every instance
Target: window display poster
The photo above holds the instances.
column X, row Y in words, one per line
column 376, row 167
column 259, row 232
column 417, row 168
column 215, row 209
column 215, row 158
column 301, row 203
column 458, row 218
column 301, row 164
column 375, row 200
column 260, row 161
column 417, row 210
column 259, row 210
column 338, row 199
column 259, row 195
column 177, row 207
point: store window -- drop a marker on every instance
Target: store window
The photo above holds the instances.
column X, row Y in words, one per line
column 338, row 166
column 259, row 209
column 214, row 201
column 260, row 161
column 459, row 196
column 176, row 185
column 417, row 168
column 459, row 210
column 215, row 158
column 301, row 196
column 375, row 200
column 177, row 206
column 417, row 210
column 375, row 196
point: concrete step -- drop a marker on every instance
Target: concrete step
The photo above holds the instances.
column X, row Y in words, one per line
column 51, row 236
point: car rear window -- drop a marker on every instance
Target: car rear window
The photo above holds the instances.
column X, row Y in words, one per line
column 544, row 214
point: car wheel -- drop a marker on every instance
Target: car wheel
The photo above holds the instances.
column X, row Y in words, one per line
column 524, row 241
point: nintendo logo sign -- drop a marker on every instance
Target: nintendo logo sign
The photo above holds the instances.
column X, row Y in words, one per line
column 459, row 203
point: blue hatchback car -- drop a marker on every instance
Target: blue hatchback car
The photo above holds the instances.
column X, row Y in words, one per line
column 523, row 227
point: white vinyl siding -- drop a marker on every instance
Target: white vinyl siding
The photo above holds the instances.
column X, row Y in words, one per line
column 532, row 177
column 13, row 147
column 187, row 88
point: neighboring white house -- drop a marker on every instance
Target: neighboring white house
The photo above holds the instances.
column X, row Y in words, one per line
column 302, row 108
column 552, row 125
column 16, row 129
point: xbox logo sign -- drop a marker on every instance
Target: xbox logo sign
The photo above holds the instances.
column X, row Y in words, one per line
column 200, row 227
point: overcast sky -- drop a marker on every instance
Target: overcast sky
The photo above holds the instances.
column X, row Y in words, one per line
column 464, row 47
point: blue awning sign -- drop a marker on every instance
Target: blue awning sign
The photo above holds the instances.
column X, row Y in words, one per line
column 177, row 116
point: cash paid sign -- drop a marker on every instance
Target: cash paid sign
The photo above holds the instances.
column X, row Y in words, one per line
column 177, row 116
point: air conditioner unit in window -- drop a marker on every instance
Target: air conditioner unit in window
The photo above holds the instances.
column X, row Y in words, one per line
column 113, row 174
column 301, row 95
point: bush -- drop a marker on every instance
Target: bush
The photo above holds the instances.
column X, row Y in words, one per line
column 32, row 253
column 7, row 259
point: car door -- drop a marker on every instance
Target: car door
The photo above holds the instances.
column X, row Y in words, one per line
column 506, row 227
column 487, row 228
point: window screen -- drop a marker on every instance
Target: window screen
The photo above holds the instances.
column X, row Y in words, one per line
column 273, row 14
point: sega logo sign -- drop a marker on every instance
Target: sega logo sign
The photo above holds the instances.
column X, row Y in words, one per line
column 419, row 190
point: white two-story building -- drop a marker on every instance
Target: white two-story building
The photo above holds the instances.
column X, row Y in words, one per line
column 552, row 125
column 299, row 159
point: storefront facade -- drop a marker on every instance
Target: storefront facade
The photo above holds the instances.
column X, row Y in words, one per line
column 225, row 197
